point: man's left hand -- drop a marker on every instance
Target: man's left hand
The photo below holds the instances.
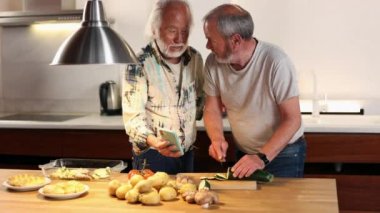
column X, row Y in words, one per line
column 247, row 165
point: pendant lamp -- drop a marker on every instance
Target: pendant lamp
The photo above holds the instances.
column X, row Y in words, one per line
column 94, row 42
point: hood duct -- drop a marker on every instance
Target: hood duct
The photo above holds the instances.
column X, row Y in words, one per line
column 27, row 12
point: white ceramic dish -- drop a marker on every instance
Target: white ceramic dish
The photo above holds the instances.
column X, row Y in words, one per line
column 64, row 196
column 26, row 188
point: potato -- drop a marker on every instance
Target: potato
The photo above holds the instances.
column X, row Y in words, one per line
column 79, row 188
column 150, row 198
column 187, row 187
column 132, row 196
column 112, row 186
column 69, row 189
column 25, row 180
column 156, row 182
column 135, row 179
column 122, row 190
column 172, row 183
column 73, row 186
column 167, row 193
column 144, row 186
column 159, row 179
column 49, row 189
column 163, row 176
column 59, row 190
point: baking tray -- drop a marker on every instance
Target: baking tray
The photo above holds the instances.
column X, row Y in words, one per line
column 82, row 169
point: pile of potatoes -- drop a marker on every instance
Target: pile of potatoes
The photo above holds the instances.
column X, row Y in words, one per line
column 148, row 191
column 159, row 187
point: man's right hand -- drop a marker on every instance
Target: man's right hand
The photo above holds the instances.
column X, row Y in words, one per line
column 218, row 150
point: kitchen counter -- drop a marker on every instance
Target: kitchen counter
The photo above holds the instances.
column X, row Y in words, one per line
column 324, row 123
column 282, row 195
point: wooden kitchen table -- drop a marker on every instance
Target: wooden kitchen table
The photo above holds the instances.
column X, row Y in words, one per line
column 282, row 195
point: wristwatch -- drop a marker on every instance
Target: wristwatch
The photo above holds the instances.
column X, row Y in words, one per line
column 263, row 157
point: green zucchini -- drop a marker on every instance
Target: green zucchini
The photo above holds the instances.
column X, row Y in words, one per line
column 204, row 185
column 258, row 175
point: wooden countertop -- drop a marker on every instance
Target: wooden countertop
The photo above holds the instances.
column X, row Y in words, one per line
column 282, row 195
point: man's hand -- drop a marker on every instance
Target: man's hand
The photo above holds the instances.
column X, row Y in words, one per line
column 218, row 150
column 247, row 165
column 163, row 147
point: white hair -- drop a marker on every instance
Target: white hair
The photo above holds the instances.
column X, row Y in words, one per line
column 155, row 17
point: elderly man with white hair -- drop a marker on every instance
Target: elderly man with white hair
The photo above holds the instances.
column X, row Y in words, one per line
column 164, row 91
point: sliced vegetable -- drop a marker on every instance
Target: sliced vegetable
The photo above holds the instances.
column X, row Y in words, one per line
column 220, row 176
column 204, row 184
column 258, row 175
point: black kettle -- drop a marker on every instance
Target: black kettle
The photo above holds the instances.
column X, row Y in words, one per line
column 110, row 99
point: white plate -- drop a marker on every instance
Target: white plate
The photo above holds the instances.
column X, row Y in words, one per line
column 64, row 196
column 26, row 188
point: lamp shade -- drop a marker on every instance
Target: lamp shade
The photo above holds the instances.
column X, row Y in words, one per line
column 94, row 42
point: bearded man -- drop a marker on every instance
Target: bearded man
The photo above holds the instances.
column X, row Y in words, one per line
column 255, row 82
column 164, row 91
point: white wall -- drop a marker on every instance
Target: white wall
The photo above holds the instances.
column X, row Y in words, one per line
column 10, row 5
column 337, row 39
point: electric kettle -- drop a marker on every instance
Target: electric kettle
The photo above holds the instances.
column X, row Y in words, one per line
column 110, row 99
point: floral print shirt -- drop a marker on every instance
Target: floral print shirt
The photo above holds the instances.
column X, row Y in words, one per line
column 153, row 98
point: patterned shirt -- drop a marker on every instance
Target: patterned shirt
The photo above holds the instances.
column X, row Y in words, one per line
column 153, row 98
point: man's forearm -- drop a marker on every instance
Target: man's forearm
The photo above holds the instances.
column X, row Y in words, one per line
column 280, row 139
column 214, row 125
column 290, row 123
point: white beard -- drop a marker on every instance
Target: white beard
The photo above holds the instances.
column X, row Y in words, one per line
column 165, row 49
column 226, row 60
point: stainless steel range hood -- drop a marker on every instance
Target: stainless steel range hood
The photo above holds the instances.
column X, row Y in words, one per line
column 40, row 11
column 33, row 17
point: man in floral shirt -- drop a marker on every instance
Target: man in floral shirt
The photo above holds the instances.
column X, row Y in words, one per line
column 164, row 91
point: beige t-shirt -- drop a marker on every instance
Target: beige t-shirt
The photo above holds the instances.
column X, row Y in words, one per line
column 252, row 95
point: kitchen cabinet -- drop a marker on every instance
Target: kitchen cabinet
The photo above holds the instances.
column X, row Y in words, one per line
column 355, row 160
column 58, row 143
column 357, row 190
column 343, row 148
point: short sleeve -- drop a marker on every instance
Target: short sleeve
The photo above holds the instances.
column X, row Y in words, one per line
column 209, row 86
column 284, row 82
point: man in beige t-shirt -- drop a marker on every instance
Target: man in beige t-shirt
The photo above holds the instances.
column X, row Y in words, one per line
column 256, row 84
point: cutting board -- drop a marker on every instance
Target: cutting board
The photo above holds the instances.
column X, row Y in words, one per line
column 224, row 184
column 233, row 184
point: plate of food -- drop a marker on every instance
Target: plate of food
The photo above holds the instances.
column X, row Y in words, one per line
column 64, row 190
column 26, row 182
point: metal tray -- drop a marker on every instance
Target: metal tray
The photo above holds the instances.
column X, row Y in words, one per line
column 82, row 169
